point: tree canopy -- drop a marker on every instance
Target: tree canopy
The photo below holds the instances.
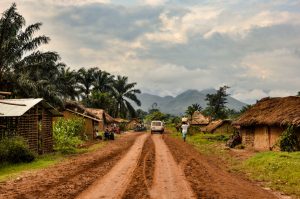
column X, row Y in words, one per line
column 28, row 72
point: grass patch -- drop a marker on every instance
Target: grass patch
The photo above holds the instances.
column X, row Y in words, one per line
column 11, row 171
column 281, row 170
column 8, row 171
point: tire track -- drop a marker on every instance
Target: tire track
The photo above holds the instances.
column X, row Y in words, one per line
column 169, row 179
column 115, row 183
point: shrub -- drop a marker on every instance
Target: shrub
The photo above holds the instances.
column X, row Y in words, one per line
column 289, row 140
column 68, row 134
column 15, row 150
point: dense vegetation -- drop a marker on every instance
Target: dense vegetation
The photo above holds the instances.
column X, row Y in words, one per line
column 29, row 72
column 68, row 134
column 15, row 150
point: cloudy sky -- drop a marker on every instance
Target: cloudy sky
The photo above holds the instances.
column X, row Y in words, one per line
column 168, row 46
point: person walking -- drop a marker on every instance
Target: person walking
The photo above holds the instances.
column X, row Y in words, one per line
column 185, row 125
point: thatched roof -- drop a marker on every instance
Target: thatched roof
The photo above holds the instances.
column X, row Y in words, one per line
column 272, row 111
column 101, row 114
column 79, row 108
column 121, row 120
column 199, row 119
column 214, row 125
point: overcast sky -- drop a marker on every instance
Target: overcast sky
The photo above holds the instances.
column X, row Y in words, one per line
column 168, row 46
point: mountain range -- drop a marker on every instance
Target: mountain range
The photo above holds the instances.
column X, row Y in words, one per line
column 177, row 105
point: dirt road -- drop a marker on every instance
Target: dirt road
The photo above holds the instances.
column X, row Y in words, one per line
column 114, row 184
column 169, row 179
column 137, row 165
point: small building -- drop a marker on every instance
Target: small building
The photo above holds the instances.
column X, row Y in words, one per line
column 262, row 125
column 103, row 116
column 132, row 124
column 219, row 127
column 198, row 119
column 95, row 119
column 30, row 119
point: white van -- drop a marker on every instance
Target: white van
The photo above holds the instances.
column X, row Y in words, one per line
column 157, row 126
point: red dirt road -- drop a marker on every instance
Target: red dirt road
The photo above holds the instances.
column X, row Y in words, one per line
column 135, row 166
column 169, row 179
column 114, row 184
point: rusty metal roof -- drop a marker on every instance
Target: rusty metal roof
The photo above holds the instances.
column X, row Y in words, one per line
column 18, row 107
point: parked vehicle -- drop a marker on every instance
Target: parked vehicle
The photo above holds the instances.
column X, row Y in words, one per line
column 157, row 126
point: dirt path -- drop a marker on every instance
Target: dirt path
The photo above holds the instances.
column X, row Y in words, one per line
column 136, row 166
column 114, row 184
column 169, row 179
column 208, row 176
column 70, row 177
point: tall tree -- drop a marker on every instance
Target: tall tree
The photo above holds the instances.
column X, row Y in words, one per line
column 124, row 93
column 216, row 103
column 103, row 81
column 67, row 84
column 86, row 79
column 192, row 109
column 21, row 63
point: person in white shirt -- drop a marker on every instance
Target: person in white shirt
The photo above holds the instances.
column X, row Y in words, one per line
column 184, row 128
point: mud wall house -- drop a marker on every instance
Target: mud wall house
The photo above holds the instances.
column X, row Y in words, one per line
column 95, row 119
column 220, row 127
column 132, row 124
column 30, row 119
column 262, row 125
column 198, row 119
column 104, row 118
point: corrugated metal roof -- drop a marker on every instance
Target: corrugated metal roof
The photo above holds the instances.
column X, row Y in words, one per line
column 17, row 107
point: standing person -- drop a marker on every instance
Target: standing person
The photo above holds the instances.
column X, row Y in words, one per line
column 184, row 127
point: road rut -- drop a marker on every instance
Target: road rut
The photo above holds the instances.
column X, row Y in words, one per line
column 169, row 179
column 114, row 184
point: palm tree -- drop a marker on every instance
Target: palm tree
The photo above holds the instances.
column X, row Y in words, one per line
column 15, row 43
column 103, row 81
column 123, row 92
column 86, row 79
column 67, row 84
column 29, row 70
column 192, row 109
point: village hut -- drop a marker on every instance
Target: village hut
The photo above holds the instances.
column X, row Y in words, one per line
column 198, row 119
column 262, row 125
column 219, row 127
column 121, row 121
column 91, row 121
column 30, row 119
column 133, row 123
column 104, row 117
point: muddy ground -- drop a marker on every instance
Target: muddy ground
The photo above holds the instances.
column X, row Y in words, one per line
column 136, row 165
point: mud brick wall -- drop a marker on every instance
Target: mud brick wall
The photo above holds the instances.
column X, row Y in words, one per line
column 28, row 128
column 47, row 138
column 247, row 136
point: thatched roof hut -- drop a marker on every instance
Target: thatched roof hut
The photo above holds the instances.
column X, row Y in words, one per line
column 272, row 111
column 264, row 122
column 199, row 119
column 95, row 119
column 219, row 126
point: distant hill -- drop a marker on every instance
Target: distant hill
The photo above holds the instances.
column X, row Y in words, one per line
column 177, row 105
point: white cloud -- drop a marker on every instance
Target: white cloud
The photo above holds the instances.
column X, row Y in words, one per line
column 154, row 2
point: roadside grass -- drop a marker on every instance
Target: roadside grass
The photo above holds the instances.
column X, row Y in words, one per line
column 277, row 170
column 8, row 171
column 11, row 171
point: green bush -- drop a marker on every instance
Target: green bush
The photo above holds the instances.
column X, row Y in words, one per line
column 68, row 134
column 15, row 150
column 289, row 140
column 216, row 137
